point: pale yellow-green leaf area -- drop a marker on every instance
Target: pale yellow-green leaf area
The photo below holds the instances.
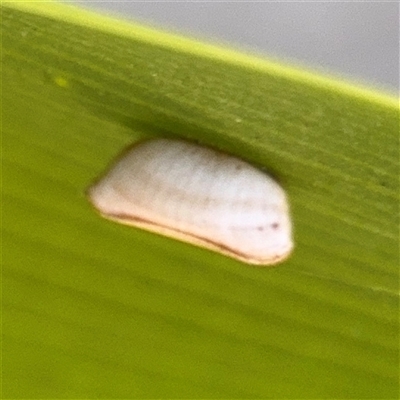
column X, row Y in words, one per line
column 94, row 309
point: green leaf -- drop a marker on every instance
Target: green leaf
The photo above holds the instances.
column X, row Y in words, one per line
column 93, row 309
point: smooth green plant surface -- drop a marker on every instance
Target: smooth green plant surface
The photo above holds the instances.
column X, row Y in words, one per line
column 93, row 309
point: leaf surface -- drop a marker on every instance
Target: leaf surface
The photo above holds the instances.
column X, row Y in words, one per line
column 93, row 309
